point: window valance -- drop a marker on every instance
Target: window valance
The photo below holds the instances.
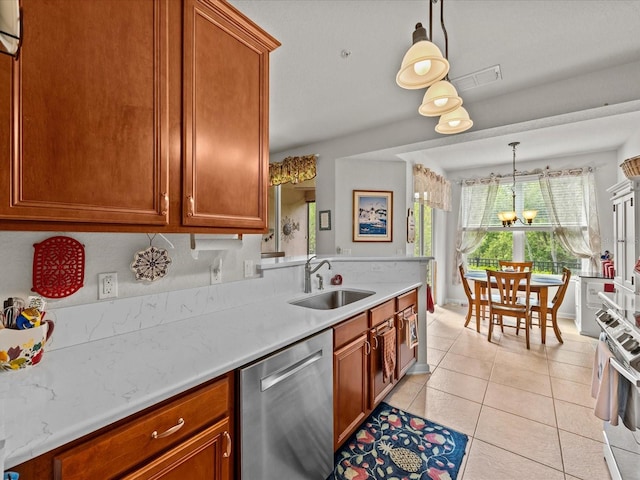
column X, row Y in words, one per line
column 292, row 170
column 431, row 189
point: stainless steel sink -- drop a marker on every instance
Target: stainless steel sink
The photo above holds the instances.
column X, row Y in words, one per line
column 332, row 299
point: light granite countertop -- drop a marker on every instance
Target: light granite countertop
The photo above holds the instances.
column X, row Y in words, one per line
column 81, row 388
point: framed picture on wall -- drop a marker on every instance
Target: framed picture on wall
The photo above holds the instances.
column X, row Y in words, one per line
column 324, row 220
column 372, row 216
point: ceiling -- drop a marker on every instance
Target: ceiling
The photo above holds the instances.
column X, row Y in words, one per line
column 318, row 93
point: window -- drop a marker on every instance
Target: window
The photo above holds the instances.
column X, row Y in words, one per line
column 536, row 242
column 311, row 228
column 423, row 245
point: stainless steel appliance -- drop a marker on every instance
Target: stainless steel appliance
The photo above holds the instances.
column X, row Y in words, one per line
column 286, row 413
column 621, row 444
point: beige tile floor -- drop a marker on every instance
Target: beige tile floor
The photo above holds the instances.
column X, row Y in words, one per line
column 528, row 413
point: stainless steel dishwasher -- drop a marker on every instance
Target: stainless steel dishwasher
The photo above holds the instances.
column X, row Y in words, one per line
column 286, row 413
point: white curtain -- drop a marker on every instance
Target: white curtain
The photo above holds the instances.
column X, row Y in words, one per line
column 574, row 219
column 477, row 198
column 431, row 189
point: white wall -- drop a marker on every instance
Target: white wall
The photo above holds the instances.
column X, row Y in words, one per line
column 369, row 175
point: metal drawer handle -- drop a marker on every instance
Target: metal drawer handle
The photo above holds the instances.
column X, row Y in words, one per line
column 165, row 203
column 227, row 439
column 277, row 377
column 192, row 206
column 170, row 431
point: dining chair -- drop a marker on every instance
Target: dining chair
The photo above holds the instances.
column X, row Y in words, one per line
column 552, row 308
column 508, row 265
column 504, row 300
column 515, row 266
column 484, row 302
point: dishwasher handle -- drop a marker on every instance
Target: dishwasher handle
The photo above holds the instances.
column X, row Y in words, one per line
column 284, row 373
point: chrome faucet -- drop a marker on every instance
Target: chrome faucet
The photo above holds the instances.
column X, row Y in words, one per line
column 308, row 272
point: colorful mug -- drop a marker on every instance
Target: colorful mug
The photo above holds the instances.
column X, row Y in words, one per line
column 23, row 348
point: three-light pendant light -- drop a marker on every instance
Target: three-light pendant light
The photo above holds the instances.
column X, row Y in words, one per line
column 424, row 66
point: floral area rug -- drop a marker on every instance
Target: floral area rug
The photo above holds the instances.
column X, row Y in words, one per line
column 394, row 445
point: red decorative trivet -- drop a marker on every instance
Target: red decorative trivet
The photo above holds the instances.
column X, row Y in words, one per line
column 58, row 267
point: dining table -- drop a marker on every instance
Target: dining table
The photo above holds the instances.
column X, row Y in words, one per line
column 539, row 284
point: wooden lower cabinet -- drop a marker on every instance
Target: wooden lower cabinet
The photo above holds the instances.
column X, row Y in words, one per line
column 406, row 306
column 205, row 456
column 350, row 377
column 381, row 319
column 358, row 381
column 188, row 436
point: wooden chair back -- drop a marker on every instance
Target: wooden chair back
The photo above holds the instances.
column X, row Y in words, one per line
column 503, row 292
column 559, row 296
column 465, row 283
column 505, row 301
column 515, row 266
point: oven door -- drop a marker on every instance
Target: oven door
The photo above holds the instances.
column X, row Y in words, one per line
column 622, row 446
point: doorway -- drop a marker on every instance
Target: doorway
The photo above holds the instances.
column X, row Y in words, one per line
column 292, row 220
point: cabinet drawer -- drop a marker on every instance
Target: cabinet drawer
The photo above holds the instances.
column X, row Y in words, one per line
column 407, row 299
column 349, row 329
column 120, row 449
column 205, row 455
column 382, row 312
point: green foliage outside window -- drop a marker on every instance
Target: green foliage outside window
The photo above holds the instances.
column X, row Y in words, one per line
column 426, row 221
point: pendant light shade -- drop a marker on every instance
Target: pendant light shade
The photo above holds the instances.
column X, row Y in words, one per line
column 440, row 98
column 454, row 122
column 423, row 64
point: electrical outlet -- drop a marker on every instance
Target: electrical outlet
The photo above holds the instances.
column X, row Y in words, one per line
column 376, row 267
column 248, row 268
column 107, row 285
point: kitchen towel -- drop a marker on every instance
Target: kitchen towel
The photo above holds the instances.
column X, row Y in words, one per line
column 604, row 385
column 430, row 305
column 388, row 353
column 628, row 404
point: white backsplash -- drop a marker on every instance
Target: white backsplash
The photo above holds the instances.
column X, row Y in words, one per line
column 84, row 323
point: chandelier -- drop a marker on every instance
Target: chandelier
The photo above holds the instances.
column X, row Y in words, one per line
column 424, row 66
column 510, row 218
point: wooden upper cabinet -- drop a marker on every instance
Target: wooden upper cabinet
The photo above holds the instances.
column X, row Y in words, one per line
column 225, row 117
column 83, row 114
column 121, row 115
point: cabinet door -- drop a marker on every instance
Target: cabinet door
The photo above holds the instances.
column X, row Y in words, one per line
column 83, row 129
column 406, row 355
column 407, row 304
column 629, row 241
column 619, row 232
column 204, row 456
column 350, row 383
column 226, row 68
column 379, row 385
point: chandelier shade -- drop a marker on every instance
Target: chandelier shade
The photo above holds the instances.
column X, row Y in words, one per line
column 423, row 64
column 440, row 98
column 454, row 122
